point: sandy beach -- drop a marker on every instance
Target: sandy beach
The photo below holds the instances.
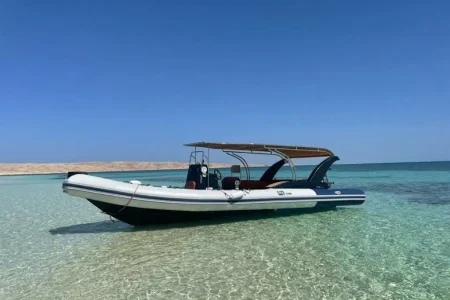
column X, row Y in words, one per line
column 52, row 168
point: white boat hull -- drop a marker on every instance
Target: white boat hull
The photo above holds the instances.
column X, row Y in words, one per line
column 141, row 204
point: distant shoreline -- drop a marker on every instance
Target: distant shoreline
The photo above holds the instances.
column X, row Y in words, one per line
column 116, row 166
column 11, row 169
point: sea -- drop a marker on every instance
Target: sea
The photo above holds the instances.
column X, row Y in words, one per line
column 394, row 246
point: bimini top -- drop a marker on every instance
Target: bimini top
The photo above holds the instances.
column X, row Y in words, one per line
column 289, row 151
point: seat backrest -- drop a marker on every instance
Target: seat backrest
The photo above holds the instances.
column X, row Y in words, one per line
column 236, row 169
column 194, row 173
column 321, row 169
column 269, row 174
column 190, row 185
column 254, row 184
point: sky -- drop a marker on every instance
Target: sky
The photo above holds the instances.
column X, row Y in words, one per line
column 135, row 80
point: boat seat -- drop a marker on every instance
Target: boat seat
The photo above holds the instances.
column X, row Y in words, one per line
column 229, row 183
column 275, row 184
column 254, row 184
column 190, row 185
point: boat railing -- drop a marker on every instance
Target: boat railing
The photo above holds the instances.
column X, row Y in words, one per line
column 271, row 152
column 193, row 156
column 291, row 164
column 242, row 160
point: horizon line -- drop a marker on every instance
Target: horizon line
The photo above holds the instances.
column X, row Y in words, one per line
column 339, row 162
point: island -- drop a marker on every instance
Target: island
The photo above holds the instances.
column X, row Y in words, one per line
column 115, row 166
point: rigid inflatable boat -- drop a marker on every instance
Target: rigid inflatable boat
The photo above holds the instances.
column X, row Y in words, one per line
column 208, row 194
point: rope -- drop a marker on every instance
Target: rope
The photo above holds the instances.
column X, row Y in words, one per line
column 132, row 196
column 226, row 195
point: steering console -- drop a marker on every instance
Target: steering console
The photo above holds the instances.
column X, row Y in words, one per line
column 218, row 174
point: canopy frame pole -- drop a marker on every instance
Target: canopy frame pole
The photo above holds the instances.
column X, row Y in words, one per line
column 193, row 155
column 241, row 159
column 207, row 178
column 202, row 156
column 249, row 152
column 284, row 156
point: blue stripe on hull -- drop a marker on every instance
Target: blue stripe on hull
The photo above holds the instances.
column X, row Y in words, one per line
column 337, row 192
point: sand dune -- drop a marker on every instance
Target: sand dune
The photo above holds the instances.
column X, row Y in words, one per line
column 51, row 168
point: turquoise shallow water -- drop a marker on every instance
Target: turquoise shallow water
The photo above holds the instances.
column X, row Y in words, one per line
column 395, row 246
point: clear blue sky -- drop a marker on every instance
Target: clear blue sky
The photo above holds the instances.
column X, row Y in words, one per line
column 134, row 80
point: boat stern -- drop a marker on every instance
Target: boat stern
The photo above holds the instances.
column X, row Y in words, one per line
column 339, row 197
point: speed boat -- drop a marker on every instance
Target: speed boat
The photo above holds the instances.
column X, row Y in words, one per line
column 207, row 193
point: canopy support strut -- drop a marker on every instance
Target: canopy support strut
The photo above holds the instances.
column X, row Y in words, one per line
column 280, row 154
column 242, row 160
